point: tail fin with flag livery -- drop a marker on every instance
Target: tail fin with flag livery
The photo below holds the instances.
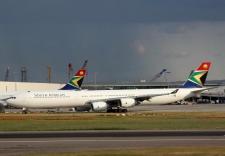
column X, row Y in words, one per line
column 76, row 81
column 198, row 77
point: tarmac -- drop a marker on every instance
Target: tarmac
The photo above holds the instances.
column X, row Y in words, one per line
column 180, row 108
column 26, row 143
column 150, row 108
column 14, row 146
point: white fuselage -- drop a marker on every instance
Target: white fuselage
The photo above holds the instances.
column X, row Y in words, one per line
column 69, row 98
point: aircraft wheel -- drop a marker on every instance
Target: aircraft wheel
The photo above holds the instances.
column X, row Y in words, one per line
column 24, row 111
column 109, row 111
column 124, row 110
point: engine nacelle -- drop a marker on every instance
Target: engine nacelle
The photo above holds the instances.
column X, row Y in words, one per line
column 127, row 102
column 99, row 106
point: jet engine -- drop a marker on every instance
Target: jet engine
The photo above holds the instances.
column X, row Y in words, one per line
column 99, row 106
column 127, row 102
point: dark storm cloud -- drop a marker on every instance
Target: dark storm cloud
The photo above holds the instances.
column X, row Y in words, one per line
column 123, row 39
column 39, row 45
column 112, row 11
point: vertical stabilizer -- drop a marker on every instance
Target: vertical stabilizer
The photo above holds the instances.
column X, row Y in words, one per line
column 77, row 80
column 198, row 77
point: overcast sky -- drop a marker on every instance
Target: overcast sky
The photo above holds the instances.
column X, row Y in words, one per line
column 124, row 40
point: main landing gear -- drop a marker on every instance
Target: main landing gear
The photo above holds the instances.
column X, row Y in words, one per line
column 24, row 110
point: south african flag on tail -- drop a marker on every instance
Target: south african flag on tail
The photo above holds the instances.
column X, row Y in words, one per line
column 76, row 81
column 198, row 77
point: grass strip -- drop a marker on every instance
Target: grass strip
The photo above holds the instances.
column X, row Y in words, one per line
column 158, row 151
column 103, row 121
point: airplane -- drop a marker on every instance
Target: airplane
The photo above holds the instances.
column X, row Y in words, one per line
column 160, row 74
column 112, row 100
column 74, row 84
column 191, row 88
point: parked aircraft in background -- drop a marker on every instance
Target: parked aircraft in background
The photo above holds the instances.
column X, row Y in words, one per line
column 160, row 74
column 111, row 100
column 77, row 80
column 191, row 88
column 74, row 84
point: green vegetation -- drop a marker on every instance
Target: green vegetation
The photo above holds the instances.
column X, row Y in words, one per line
column 103, row 121
column 181, row 151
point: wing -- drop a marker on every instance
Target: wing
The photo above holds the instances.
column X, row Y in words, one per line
column 139, row 98
column 147, row 96
column 203, row 89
